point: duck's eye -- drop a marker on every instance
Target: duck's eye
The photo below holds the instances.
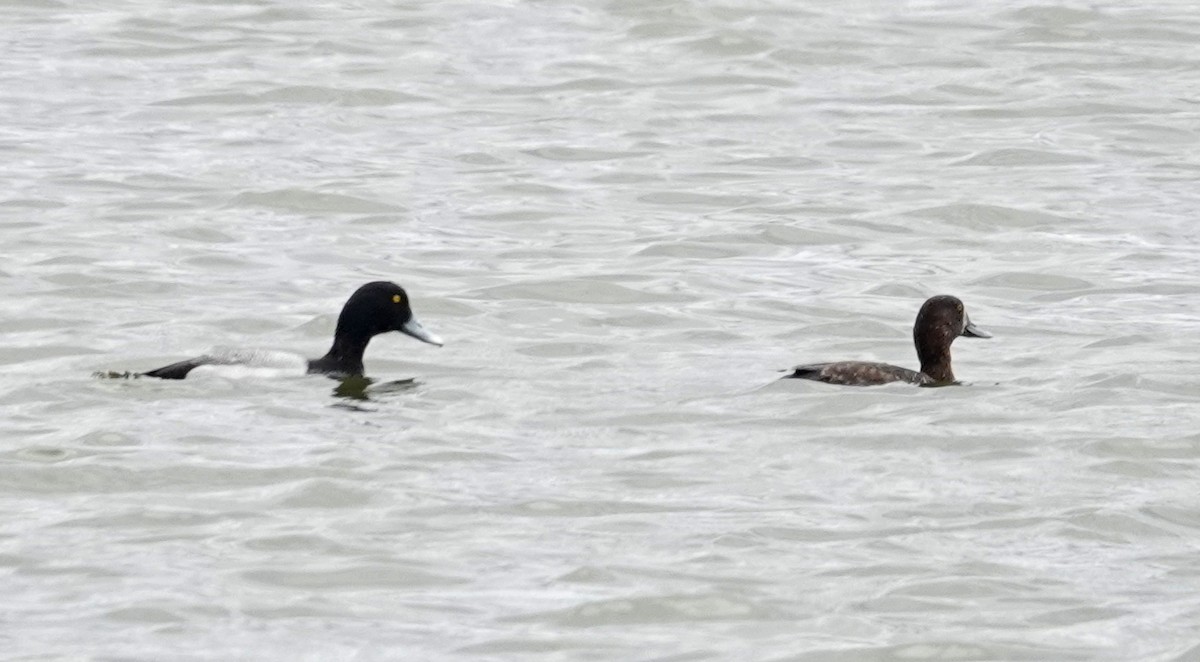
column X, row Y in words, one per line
column 396, row 298
column 959, row 307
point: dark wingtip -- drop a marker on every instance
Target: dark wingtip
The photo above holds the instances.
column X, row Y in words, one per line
column 174, row 371
column 803, row 372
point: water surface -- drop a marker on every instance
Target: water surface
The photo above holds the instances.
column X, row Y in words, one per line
column 624, row 218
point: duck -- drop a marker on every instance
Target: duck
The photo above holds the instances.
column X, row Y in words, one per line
column 941, row 319
column 375, row 308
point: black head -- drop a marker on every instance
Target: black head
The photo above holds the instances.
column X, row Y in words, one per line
column 377, row 308
column 941, row 319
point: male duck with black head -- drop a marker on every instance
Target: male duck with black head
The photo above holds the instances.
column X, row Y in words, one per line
column 373, row 309
column 941, row 319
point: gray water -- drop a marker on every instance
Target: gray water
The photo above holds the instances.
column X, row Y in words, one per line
column 624, row 218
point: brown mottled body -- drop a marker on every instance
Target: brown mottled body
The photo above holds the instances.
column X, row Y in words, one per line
column 941, row 319
column 858, row 373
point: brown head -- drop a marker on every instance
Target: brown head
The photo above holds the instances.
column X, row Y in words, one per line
column 941, row 319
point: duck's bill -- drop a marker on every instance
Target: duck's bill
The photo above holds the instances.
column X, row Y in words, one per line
column 972, row 331
column 413, row 328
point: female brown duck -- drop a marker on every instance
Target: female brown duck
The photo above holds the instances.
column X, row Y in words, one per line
column 940, row 321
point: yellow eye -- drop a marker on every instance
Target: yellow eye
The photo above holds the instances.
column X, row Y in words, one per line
column 959, row 307
column 396, row 298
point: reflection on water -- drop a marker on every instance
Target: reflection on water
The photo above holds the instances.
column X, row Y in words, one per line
column 113, row 374
column 364, row 388
column 350, row 388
